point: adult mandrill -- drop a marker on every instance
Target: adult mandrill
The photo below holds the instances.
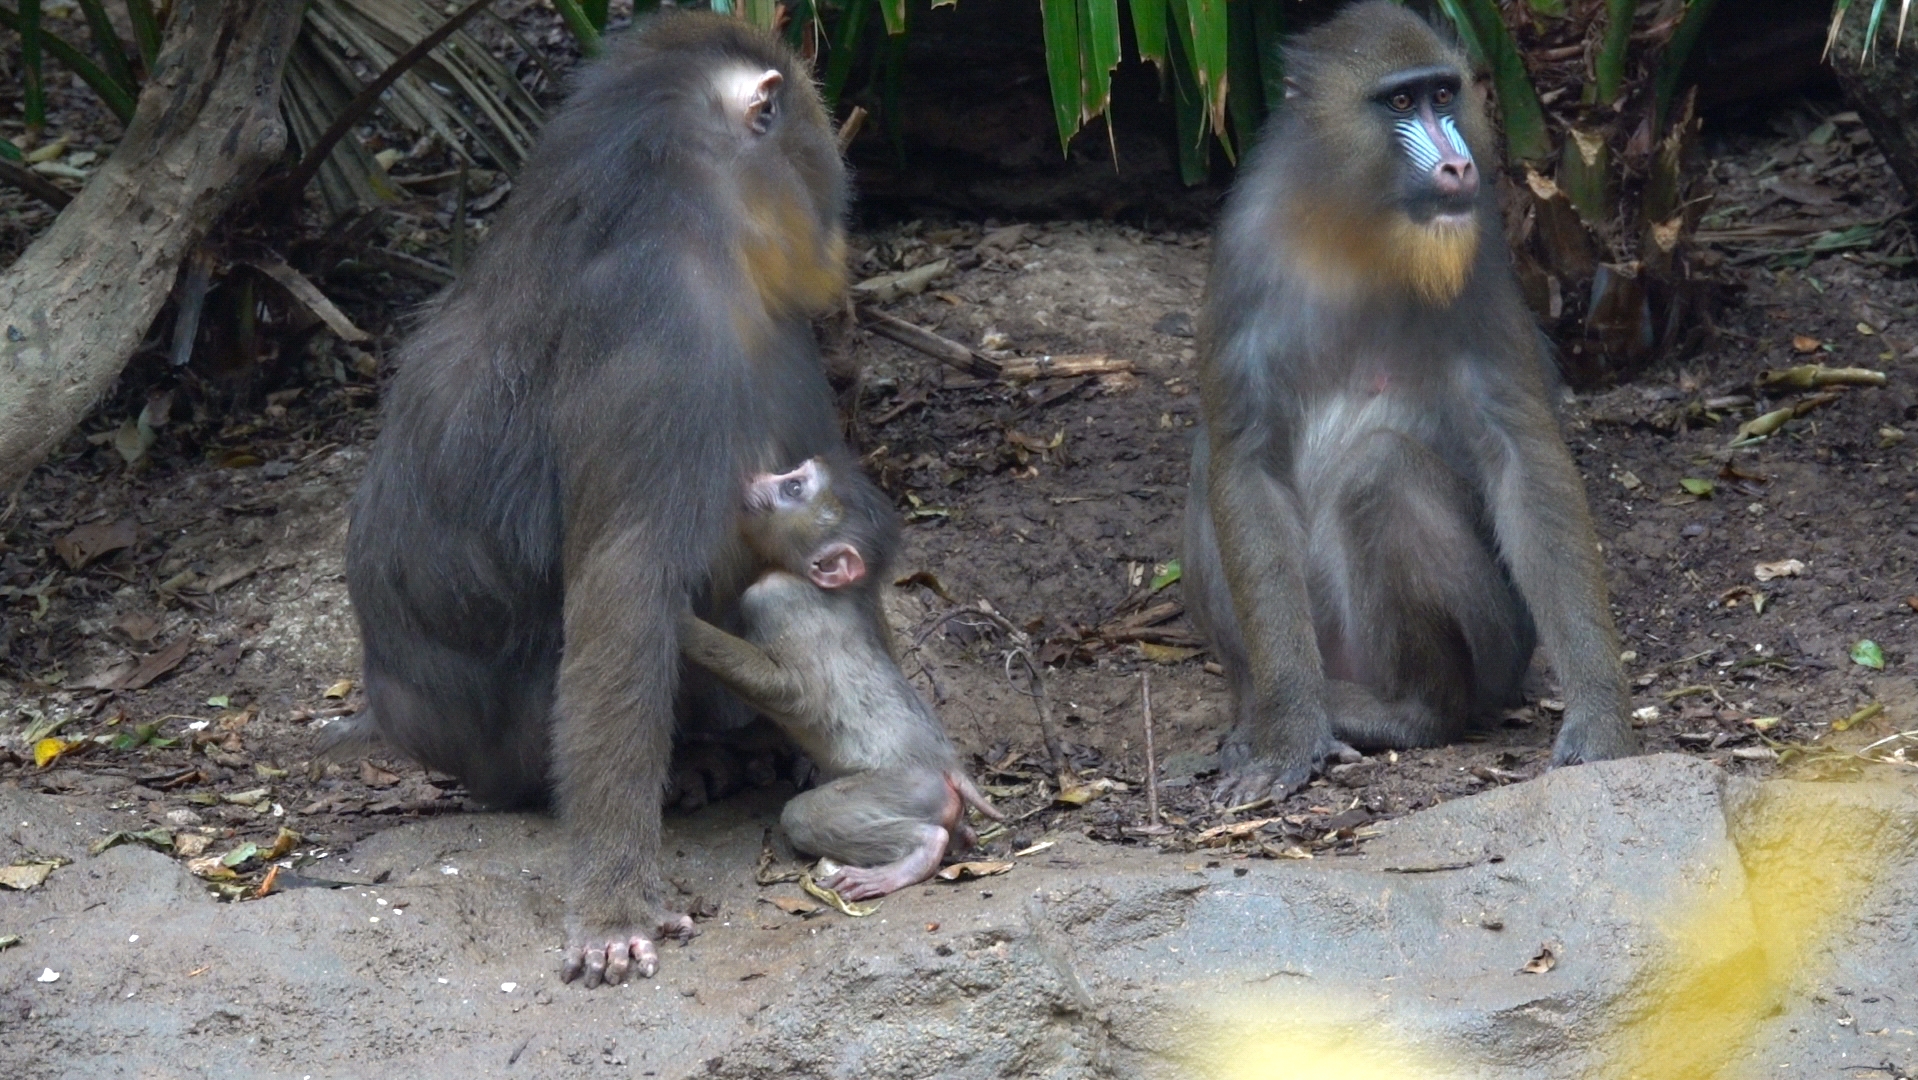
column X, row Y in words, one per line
column 559, row 470
column 1383, row 516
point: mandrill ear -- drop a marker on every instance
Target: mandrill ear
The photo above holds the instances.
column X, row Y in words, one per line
column 760, row 100
column 837, row 566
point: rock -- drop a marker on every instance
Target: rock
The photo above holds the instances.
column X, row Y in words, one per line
column 1661, row 908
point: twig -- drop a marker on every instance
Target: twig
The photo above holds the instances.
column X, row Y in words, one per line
column 34, row 184
column 941, row 348
column 1065, row 366
column 1151, row 761
column 400, row 262
column 949, row 616
column 1047, row 733
column 369, row 96
column 309, row 296
column 849, row 130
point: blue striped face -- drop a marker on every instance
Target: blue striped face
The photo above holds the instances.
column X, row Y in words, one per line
column 1422, row 105
column 1417, row 143
column 1415, row 138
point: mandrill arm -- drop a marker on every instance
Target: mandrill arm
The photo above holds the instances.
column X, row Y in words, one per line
column 1546, row 538
column 1261, row 541
column 742, row 666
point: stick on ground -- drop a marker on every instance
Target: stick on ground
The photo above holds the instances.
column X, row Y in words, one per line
column 1151, row 761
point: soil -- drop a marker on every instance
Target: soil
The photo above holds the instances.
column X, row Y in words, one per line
column 182, row 627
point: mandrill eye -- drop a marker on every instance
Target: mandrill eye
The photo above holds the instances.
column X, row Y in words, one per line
column 1401, row 102
column 1442, row 97
column 792, row 489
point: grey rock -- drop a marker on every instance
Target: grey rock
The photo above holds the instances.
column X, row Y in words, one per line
column 1795, row 900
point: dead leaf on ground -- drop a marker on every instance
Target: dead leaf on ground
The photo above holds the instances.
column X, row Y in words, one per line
column 1166, row 654
column 48, row 750
column 1766, row 571
column 339, row 689
column 138, row 675
column 1002, row 239
column 282, row 844
column 211, row 868
column 960, row 871
column 375, row 777
column 1072, row 793
column 139, row 629
column 792, row 905
column 831, row 898
column 887, row 287
column 23, row 876
column 1546, row 960
column 1221, row 835
column 157, row 839
column 89, row 542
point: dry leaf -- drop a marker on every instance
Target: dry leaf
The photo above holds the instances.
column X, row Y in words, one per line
column 282, row 844
column 831, row 898
column 48, row 750
column 1546, row 960
column 339, row 689
column 1804, row 343
column 1166, row 654
column 904, row 283
column 960, row 871
column 1220, row 835
column 23, row 876
column 375, row 777
column 791, row 905
column 211, row 868
column 1766, row 571
column 89, row 542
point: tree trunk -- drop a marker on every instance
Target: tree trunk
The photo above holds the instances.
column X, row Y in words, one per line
column 1884, row 90
column 76, row 303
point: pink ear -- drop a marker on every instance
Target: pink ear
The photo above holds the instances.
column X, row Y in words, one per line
column 759, row 103
column 837, row 566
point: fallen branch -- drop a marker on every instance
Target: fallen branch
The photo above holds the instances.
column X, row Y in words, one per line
column 1067, row 366
column 12, row 172
column 78, row 301
column 944, row 349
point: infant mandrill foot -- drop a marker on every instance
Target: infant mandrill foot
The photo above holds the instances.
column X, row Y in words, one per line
column 859, row 883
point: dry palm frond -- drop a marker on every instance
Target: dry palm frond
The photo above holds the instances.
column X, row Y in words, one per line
column 459, row 93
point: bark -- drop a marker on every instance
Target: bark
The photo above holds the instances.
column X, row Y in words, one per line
column 75, row 305
column 1883, row 88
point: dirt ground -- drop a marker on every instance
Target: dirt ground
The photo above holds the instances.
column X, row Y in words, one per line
column 180, row 626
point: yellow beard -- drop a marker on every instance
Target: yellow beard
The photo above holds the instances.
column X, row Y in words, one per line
column 790, row 266
column 1341, row 252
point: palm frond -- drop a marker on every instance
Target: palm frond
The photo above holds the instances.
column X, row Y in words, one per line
column 460, row 93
